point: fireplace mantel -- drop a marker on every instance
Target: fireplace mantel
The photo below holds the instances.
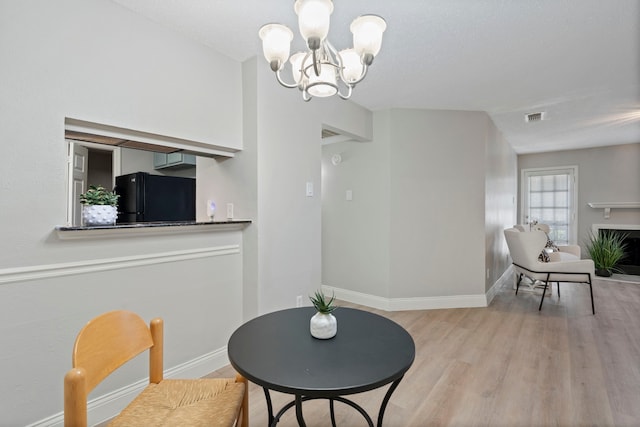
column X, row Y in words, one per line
column 607, row 206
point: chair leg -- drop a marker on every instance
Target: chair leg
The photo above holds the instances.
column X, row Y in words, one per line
column 593, row 308
column 544, row 291
column 558, row 286
column 518, row 284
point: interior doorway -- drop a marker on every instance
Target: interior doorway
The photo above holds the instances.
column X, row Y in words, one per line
column 89, row 164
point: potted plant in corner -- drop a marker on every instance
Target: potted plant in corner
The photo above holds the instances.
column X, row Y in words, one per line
column 99, row 206
column 323, row 324
column 606, row 249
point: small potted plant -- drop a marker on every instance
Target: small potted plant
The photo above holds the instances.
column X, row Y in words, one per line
column 606, row 249
column 99, row 206
column 323, row 324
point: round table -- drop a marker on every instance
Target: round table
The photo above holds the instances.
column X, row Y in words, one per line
column 277, row 352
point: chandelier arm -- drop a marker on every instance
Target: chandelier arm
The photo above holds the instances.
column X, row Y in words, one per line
column 315, row 62
column 328, row 46
column 283, row 83
column 362, row 76
column 348, row 95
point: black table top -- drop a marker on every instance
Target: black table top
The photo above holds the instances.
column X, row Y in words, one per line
column 277, row 351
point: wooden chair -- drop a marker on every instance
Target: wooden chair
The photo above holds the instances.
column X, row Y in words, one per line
column 112, row 339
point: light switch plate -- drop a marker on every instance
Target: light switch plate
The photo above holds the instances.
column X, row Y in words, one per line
column 309, row 189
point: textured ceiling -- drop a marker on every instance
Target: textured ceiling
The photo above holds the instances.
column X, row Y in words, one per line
column 577, row 60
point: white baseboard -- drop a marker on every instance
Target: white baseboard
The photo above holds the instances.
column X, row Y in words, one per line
column 400, row 304
column 506, row 277
column 108, row 405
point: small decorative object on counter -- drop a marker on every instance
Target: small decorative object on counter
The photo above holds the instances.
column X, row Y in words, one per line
column 323, row 324
column 99, row 206
column 211, row 209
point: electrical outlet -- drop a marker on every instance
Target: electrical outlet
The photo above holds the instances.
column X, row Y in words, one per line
column 229, row 210
column 299, row 301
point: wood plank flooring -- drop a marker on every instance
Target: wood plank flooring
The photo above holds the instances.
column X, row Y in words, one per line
column 507, row 365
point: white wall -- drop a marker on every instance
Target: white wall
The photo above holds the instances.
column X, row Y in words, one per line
column 437, row 203
column 355, row 234
column 501, row 181
column 431, row 195
column 93, row 60
column 289, row 156
column 605, row 174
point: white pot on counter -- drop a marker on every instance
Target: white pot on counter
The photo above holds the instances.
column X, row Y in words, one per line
column 99, row 215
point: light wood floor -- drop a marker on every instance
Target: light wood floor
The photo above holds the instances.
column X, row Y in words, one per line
column 507, row 365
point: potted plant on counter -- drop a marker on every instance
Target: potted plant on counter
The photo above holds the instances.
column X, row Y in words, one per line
column 606, row 249
column 323, row 324
column 99, row 206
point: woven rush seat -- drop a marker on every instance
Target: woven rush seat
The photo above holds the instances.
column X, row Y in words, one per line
column 179, row 403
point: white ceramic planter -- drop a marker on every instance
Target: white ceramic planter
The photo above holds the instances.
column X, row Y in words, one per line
column 323, row 326
column 99, row 215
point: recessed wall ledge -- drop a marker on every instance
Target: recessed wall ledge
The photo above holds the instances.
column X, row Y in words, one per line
column 148, row 229
column 607, row 206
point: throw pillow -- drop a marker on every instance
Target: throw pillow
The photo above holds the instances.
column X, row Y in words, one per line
column 551, row 245
column 544, row 256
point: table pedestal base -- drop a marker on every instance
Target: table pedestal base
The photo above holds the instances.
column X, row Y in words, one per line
column 297, row 403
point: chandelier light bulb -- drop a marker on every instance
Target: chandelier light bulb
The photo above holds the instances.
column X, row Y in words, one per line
column 313, row 20
column 367, row 35
column 276, row 44
column 323, row 85
column 351, row 65
column 296, row 66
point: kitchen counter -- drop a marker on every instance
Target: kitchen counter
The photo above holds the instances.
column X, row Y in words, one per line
column 149, row 228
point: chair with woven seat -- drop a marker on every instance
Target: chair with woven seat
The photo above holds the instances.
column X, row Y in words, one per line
column 112, row 339
column 525, row 249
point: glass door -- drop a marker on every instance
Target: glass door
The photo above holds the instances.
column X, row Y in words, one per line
column 549, row 196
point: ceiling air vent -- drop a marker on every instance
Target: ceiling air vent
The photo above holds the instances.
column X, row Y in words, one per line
column 534, row 117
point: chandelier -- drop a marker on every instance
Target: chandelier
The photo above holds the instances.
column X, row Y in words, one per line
column 322, row 71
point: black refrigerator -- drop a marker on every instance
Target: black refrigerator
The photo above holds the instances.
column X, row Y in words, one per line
column 147, row 198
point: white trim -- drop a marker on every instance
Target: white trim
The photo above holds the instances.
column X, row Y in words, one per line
column 595, row 228
column 400, row 304
column 191, row 146
column 148, row 229
column 368, row 300
column 607, row 206
column 108, row 405
column 504, row 279
column 615, row 205
column 19, row 274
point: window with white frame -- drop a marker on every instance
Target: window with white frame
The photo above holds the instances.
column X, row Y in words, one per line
column 549, row 196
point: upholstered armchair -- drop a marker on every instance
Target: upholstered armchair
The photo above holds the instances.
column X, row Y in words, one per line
column 525, row 248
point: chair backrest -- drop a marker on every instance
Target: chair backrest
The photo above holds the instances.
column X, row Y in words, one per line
column 525, row 247
column 112, row 339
